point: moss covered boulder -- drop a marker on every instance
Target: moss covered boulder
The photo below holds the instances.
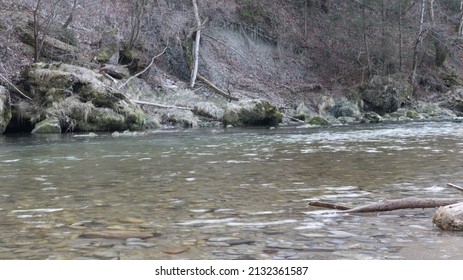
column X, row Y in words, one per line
column 253, row 112
column 5, row 111
column 385, row 94
column 344, row 108
column 371, row 117
column 59, row 45
column 318, row 121
column 453, row 99
column 48, row 125
column 80, row 98
column 110, row 45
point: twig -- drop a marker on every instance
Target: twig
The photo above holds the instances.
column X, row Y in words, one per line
column 144, row 70
column 328, row 205
column 15, row 88
column 455, row 186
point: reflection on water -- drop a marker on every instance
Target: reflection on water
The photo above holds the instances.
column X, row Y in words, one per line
column 228, row 194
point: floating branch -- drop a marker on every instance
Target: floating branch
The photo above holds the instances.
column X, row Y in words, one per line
column 390, row 205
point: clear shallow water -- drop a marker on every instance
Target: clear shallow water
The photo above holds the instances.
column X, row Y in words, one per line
column 229, row 194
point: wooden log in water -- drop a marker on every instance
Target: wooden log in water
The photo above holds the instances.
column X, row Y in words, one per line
column 449, row 217
column 390, row 205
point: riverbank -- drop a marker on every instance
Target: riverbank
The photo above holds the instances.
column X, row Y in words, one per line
column 87, row 78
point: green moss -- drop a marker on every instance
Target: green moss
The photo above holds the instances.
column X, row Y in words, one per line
column 371, row 117
column 252, row 113
column 318, row 121
column 49, row 125
column 104, row 55
column 412, row 114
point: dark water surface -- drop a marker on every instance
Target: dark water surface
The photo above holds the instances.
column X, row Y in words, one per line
column 229, row 194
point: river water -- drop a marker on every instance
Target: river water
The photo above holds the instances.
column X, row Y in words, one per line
column 229, row 193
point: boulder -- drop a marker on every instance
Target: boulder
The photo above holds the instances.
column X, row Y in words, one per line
column 318, row 121
column 412, row 114
column 251, row 112
column 385, row 94
column 5, row 111
column 52, row 48
column 110, row 45
column 449, row 217
column 48, row 125
column 344, row 108
column 453, row 99
column 371, row 117
column 303, row 112
column 80, row 98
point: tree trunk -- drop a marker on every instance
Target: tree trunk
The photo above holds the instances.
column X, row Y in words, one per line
column 194, row 71
column 421, row 35
column 71, row 15
column 400, row 37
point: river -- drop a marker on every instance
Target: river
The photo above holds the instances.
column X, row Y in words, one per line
column 229, row 193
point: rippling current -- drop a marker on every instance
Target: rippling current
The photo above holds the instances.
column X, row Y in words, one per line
column 228, row 193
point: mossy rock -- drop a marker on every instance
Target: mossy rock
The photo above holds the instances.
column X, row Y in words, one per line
column 110, row 45
column 104, row 55
column 303, row 113
column 52, row 48
column 253, row 112
column 371, row 117
column 385, row 94
column 5, row 111
column 412, row 114
column 344, row 108
column 82, row 98
column 49, row 125
column 134, row 59
column 180, row 118
column 318, row 121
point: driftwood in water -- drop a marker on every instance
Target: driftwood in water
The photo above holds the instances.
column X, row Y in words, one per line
column 455, row 186
column 328, row 205
column 449, row 217
column 389, row 205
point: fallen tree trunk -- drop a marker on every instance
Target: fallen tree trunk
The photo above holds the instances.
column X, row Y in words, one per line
column 395, row 204
column 160, row 105
column 449, row 217
column 216, row 89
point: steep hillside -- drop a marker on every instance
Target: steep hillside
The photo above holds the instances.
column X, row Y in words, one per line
column 382, row 55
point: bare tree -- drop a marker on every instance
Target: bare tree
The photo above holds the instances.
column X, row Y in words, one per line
column 419, row 40
column 194, row 71
column 136, row 17
column 43, row 15
column 71, row 15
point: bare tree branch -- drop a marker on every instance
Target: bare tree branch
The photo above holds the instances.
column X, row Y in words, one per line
column 394, row 204
column 14, row 87
column 144, row 70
